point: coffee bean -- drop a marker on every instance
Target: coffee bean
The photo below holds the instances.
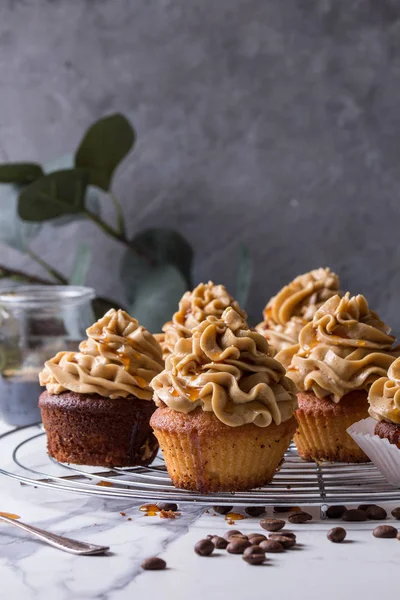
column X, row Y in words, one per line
column 255, row 511
column 154, row 564
column 299, row 517
column 385, row 531
column 396, row 513
column 272, row 546
column 204, row 548
column 282, row 509
column 210, row 536
column 398, row 536
column 219, row 542
column 254, row 559
column 167, row 506
column 285, row 533
column 256, row 538
column 238, row 537
column 286, row 542
column 335, row 512
column 254, row 549
column 354, row 514
column 222, row 510
column 231, row 532
column 236, row 546
column 272, row 524
column 337, row 535
column 376, row 513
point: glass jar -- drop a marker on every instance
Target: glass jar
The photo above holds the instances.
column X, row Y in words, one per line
column 36, row 322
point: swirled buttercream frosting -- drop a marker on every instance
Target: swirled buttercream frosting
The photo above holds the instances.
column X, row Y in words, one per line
column 295, row 305
column 346, row 347
column 207, row 299
column 226, row 369
column 118, row 359
column 384, row 396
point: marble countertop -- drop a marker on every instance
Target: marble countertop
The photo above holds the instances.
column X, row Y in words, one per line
column 361, row 566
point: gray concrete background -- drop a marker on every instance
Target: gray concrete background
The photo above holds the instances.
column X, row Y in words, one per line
column 271, row 122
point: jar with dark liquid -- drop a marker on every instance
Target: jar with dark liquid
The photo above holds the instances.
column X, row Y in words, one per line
column 36, row 322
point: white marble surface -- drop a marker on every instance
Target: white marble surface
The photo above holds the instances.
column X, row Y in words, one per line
column 363, row 566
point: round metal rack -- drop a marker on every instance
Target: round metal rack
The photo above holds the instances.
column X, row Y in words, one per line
column 23, row 457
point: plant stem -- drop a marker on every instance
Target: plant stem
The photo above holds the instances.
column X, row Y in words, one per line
column 120, row 237
column 120, row 215
column 50, row 270
column 7, row 273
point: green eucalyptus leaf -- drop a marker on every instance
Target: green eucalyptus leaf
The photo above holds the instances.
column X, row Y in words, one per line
column 157, row 296
column 20, row 172
column 80, row 268
column 14, row 232
column 59, row 193
column 244, row 275
column 166, row 246
column 103, row 147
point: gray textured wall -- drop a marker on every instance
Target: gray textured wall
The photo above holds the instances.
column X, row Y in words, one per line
column 271, row 122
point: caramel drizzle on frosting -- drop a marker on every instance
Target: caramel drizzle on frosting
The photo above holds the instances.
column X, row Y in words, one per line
column 226, row 368
column 384, row 396
column 295, row 305
column 119, row 359
column 346, row 347
column 207, row 299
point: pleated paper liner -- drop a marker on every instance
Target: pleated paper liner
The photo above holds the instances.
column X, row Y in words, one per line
column 384, row 455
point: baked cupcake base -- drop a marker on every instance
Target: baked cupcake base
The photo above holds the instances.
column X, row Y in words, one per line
column 389, row 432
column 97, row 431
column 203, row 454
column 322, row 425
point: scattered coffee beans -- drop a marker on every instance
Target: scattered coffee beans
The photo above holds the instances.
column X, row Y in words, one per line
column 222, row 510
column 255, row 549
column 167, row 506
column 282, row 509
column 335, row 512
column 154, row 564
column 365, row 506
column 385, row 531
column 256, row 538
column 337, row 535
column 286, row 542
column 237, row 546
column 354, row 514
column 272, row 546
column 376, row 513
column 396, row 513
column 255, row 511
column 272, row 524
column 299, row 517
column 204, row 548
column 219, row 542
column 231, row 532
column 254, row 559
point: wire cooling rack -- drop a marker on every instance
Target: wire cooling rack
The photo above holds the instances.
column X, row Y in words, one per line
column 23, row 457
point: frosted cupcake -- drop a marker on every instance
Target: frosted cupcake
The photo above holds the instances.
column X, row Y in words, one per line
column 341, row 353
column 295, row 305
column 98, row 402
column 207, row 299
column 225, row 416
column 384, row 400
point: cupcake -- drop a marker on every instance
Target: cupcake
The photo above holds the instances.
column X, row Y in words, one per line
column 207, row 299
column 384, row 404
column 225, row 416
column 98, row 402
column 341, row 353
column 295, row 305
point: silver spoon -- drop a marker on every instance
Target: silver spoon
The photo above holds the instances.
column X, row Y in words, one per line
column 58, row 541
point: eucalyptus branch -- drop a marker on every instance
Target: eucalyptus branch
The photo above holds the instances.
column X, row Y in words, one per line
column 7, row 273
column 120, row 237
column 120, row 215
column 50, row 270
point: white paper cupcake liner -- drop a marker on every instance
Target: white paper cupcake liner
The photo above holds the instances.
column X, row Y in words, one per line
column 384, row 455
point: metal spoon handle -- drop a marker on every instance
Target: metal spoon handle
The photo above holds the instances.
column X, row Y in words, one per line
column 58, row 541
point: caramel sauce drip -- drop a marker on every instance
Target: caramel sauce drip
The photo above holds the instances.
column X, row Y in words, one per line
column 10, row 515
column 150, row 510
column 234, row 517
column 105, row 484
